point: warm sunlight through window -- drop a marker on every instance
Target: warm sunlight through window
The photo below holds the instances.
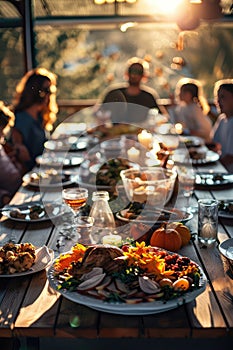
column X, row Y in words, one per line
column 164, row 6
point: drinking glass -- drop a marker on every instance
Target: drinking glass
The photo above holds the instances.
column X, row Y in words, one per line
column 75, row 198
column 207, row 220
column 186, row 182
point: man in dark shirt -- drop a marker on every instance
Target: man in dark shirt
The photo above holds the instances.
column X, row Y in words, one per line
column 135, row 98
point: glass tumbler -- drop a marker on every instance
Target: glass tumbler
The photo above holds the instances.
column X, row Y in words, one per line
column 207, row 220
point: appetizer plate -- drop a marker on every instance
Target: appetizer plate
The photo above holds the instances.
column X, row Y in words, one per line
column 226, row 248
column 152, row 217
column 39, row 179
column 23, row 212
column 206, row 179
column 44, row 257
column 143, row 308
column 223, row 211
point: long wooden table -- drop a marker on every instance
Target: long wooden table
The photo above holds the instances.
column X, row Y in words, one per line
column 32, row 312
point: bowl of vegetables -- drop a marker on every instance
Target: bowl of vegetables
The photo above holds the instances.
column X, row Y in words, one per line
column 151, row 185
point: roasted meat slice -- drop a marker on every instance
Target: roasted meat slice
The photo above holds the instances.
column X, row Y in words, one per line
column 110, row 258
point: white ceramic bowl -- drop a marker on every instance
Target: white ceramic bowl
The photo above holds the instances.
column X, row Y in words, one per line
column 151, row 185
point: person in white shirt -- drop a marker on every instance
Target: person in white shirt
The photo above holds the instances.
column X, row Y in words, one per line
column 191, row 109
column 222, row 132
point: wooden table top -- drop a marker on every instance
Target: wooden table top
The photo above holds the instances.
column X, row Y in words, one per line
column 30, row 308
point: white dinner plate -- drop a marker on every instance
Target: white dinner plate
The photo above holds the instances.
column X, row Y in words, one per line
column 55, row 211
column 144, row 308
column 62, row 161
column 176, row 215
column 72, row 144
column 224, row 213
column 66, row 180
column 226, row 248
column 44, row 256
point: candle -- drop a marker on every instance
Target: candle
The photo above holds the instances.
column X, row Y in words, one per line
column 133, row 154
column 179, row 128
column 112, row 240
column 145, row 138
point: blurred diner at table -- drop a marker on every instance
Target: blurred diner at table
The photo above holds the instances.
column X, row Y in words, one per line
column 190, row 108
column 222, row 132
column 35, row 108
column 10, row 174
column 135, row 97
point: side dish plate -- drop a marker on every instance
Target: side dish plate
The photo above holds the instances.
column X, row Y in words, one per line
column 44, row 256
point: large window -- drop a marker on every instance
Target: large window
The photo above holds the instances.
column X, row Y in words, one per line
column 87, row 60
column 87, row 45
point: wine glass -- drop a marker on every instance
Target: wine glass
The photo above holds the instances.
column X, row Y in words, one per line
column 186, row 177
column 75, row 198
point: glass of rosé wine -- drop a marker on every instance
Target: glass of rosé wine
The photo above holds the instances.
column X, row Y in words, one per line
column 75, row 198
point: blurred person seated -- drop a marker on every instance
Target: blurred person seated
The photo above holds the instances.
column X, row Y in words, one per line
column 10, row 174
column 35, row 110
column 191, row 109
column 136, row 98
column 222, row 131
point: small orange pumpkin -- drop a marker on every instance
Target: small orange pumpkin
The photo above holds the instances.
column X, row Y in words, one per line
column 183, row 230
column 166, row 238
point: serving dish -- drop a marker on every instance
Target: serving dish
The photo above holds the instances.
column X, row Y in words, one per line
column 44, row 256
column 33, row 211
column 140, row 307
column 153, row 185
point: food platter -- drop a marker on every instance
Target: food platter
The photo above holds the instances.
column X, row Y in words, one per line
column 141, row 308
column 60, row 160
column 225, row 209
column 46, row 180
column 44, row 256
column 158, row 217
column 206, row 179
column 226, row 248
column 24, row 212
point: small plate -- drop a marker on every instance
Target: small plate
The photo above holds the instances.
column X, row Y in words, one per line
column 211, row 157
column 65, row 161
column 152, row 217
column 206, row 179
column 224, row 213
column 44, row 256
column 35, row 180
column 71, row 144
column 226, row 248
column 51, row 212
column 191, row 141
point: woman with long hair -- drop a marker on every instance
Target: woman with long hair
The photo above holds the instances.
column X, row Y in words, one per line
column 35, row 110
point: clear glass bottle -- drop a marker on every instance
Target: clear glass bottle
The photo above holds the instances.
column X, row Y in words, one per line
column 104, row 222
